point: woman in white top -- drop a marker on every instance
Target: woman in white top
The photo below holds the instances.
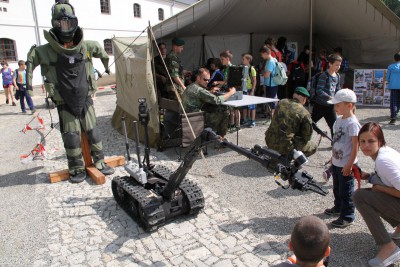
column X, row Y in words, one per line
column 383, row 199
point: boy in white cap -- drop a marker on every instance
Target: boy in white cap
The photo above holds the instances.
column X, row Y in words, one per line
column 344, row 155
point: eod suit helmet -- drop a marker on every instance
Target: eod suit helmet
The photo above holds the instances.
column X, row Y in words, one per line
column 64, row 21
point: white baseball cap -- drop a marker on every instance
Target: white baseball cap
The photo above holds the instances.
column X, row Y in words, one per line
column 344, row 95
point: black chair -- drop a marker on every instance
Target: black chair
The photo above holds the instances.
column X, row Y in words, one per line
column 174, row 127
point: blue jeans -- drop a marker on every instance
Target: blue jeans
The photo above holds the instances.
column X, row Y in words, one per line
column 394, row 103
column 343, row 189
column 22, row 95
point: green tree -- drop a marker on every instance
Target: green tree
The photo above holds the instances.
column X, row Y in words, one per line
column 394, row 5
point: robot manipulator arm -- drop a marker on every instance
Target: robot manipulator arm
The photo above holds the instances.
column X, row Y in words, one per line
column 286, row 167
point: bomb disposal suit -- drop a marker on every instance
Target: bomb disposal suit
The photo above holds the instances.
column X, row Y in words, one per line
column 66, row 64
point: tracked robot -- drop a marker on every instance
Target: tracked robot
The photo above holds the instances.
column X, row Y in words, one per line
column 154, row 194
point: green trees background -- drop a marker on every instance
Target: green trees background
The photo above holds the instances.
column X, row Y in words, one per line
column 394, row 5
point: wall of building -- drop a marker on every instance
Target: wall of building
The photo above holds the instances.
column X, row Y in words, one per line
column 18, row 22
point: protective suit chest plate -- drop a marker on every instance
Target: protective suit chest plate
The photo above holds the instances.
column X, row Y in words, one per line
column 72, row 81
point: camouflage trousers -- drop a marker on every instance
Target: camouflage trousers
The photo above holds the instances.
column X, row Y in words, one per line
column 285, row 148
column 71, row 128
column 218, row 120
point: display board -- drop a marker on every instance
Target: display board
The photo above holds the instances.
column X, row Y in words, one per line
column 370, row 86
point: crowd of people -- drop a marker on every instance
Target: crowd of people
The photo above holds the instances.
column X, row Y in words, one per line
column 291, row 128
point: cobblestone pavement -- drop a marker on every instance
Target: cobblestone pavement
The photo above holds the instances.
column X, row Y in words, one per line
column 246, row 222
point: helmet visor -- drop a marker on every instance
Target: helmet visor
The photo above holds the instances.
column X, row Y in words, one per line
column 65, row 24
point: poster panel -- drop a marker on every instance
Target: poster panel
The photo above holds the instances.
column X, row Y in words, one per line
column 370, row 86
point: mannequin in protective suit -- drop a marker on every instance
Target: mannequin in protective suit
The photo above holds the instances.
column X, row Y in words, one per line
column 66, row 64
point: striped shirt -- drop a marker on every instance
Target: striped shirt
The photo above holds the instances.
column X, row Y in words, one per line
column 20, row 76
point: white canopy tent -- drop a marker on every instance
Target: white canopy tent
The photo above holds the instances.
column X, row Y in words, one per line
column 366, row 29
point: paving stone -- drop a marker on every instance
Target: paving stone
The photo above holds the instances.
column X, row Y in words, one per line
column 250, row 260
column 76, row 258
column 230, row 241
column 224, row 263
column 196, row 253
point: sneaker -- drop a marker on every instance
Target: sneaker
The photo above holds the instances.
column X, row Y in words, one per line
column 393, row 258
column 392, row 122
column 327, row 175
column 340, row 223
column 107, row 170
column 78, row 177
column 13, row 103
column 395, row 236
column 252, row 124
column 7, row 101
column 23, row 112
column 233, row 128
column 33, row 111
column 243, row 122
column 332, row 211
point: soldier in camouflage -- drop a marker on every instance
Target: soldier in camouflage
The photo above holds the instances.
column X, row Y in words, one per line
column 196, row 96
column 291, row 126
column 66, row 64
column 175, row 70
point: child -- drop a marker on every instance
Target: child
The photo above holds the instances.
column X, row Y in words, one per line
column 344, row 155
column 309, row 242
column 322, row 63
column 234, row 116
column 269, row 68
column 7, row 82
column 19, row 82
column 251, row 85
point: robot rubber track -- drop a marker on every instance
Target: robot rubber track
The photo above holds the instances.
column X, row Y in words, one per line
column 151, row 210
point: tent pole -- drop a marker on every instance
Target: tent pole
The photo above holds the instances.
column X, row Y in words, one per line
column 311, row 40
column 251, row 43
column 203, row 50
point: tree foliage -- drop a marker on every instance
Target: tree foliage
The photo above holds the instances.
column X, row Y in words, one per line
column 394, row 5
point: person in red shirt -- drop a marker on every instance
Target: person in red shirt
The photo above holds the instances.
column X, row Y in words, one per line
column 270, row 42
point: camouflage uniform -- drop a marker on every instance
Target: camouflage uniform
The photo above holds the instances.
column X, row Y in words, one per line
column 290, row 129
column 196, row 98
column 175, row 69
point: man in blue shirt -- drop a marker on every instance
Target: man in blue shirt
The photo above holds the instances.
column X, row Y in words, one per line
column 393, row 77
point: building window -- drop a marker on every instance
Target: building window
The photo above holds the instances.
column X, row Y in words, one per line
column 105, row 6
column 4, row 1
column 7, row 50
column 108, row 46
column 4, row 9
column 160, row 14
column 136, row 11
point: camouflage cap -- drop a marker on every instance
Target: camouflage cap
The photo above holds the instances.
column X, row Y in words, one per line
column 177, row 41
column 302, row 91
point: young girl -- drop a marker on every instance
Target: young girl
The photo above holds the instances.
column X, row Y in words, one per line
column 328, row 85
column 383, row 201
column 344, row 155
column 8, row 82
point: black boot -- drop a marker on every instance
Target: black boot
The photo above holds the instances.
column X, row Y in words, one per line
column 107, row 170
column 78, row 177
